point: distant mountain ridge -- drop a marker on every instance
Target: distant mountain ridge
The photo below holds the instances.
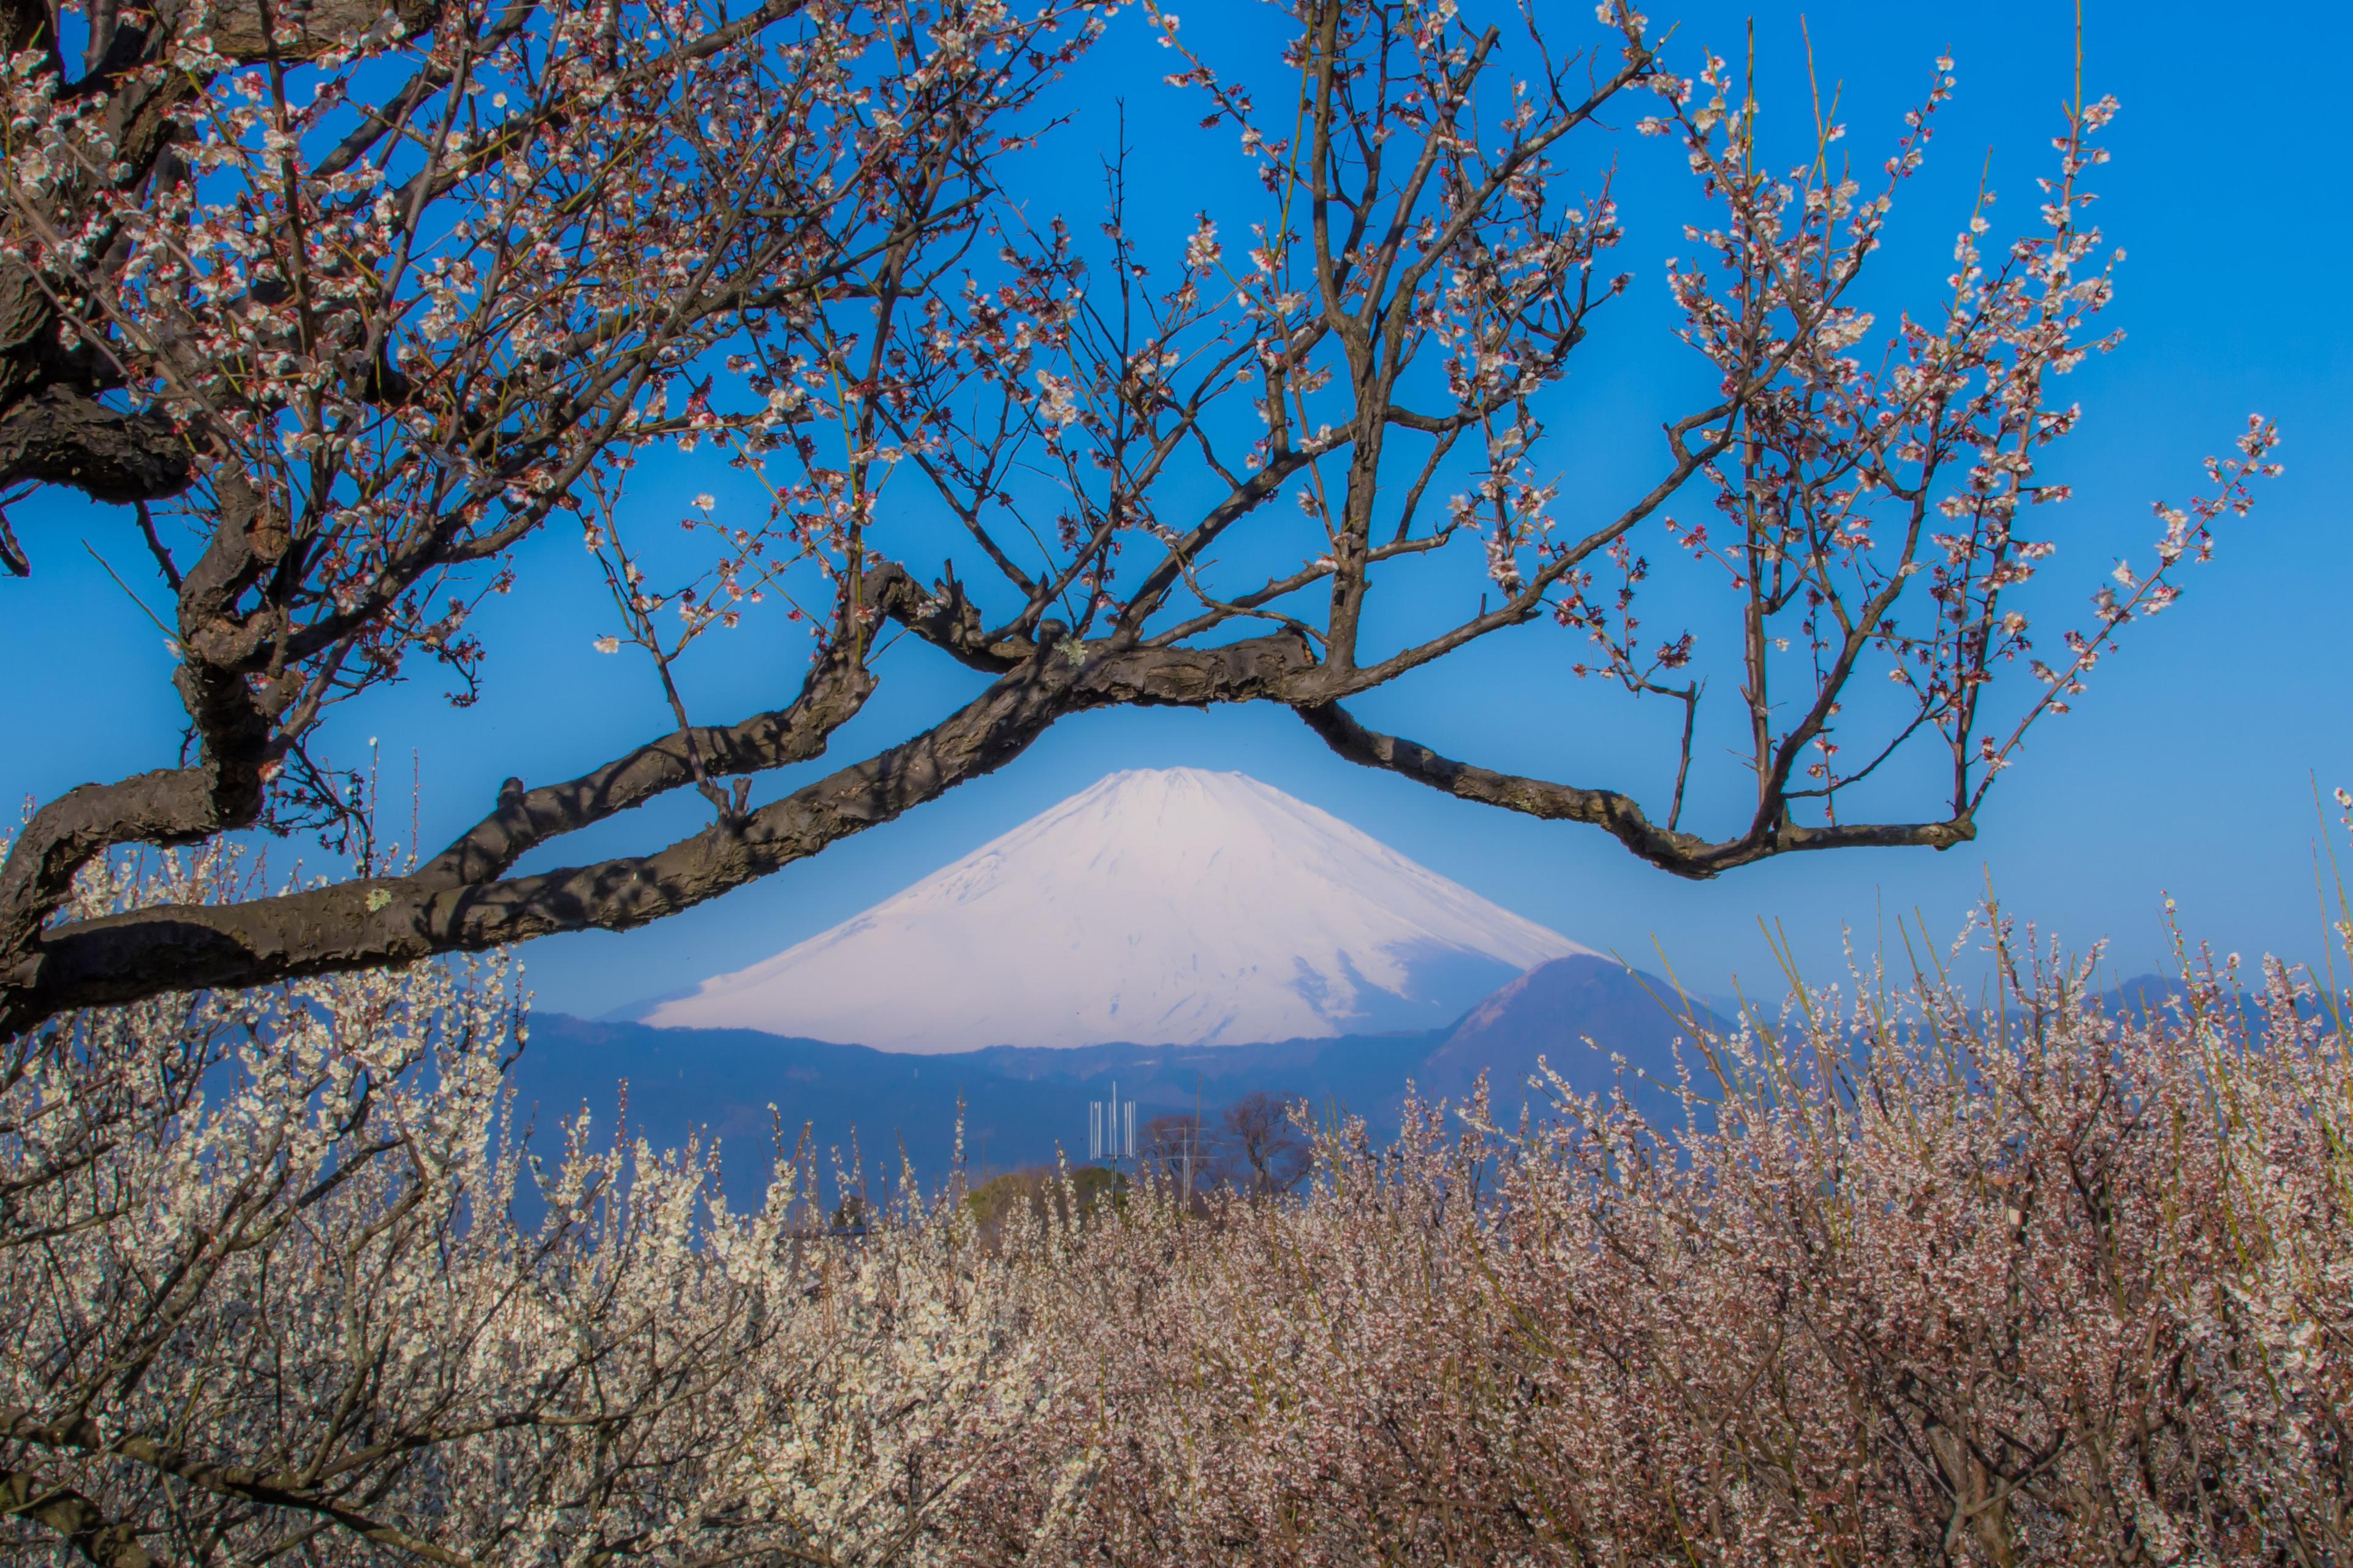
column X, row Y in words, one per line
column 1027, row 1105
column 1190, row 936
column 1021, row 1106
column 1576, row 1015
column 1164, row 907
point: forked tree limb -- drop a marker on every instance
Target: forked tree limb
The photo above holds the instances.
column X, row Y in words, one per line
column 462, row 900
column 836, row 689
column 222, row 791
column 524, row 820
column 1685, row 854
column 165, row 807
column 232, row 716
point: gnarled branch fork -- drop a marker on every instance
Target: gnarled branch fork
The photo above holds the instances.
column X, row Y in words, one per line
column 467, row 900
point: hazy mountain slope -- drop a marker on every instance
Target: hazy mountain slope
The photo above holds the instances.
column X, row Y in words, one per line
column 1158, row 907
column 1020, row 1107
column 1551, row 1012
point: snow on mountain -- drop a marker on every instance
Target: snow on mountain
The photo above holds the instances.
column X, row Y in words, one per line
column 1170, row 907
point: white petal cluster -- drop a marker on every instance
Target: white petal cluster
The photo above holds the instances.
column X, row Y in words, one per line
column 1895, row 1276
column 278, row 1267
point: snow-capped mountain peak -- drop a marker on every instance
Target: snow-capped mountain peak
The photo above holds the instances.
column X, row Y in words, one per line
column 1173, row 906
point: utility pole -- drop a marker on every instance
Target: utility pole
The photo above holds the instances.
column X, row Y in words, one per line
column 1108, row 1130
column 1193, row 1141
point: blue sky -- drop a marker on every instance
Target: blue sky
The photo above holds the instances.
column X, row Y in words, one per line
column 2188, row 770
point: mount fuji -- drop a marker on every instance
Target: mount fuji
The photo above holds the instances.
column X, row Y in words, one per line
column 1173, row 906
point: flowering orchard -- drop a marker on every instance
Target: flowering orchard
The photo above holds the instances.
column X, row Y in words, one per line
column 1915, row 1277
column 1920, row 1278
column 266, row 1297
column 344, row 310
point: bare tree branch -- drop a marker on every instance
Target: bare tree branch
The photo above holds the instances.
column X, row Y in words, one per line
column 1685, row 854
column 397, row 920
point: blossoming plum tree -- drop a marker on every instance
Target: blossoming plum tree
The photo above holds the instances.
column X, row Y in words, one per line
column 281, row 1280
column 343, row 309
column 1909, row 1275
